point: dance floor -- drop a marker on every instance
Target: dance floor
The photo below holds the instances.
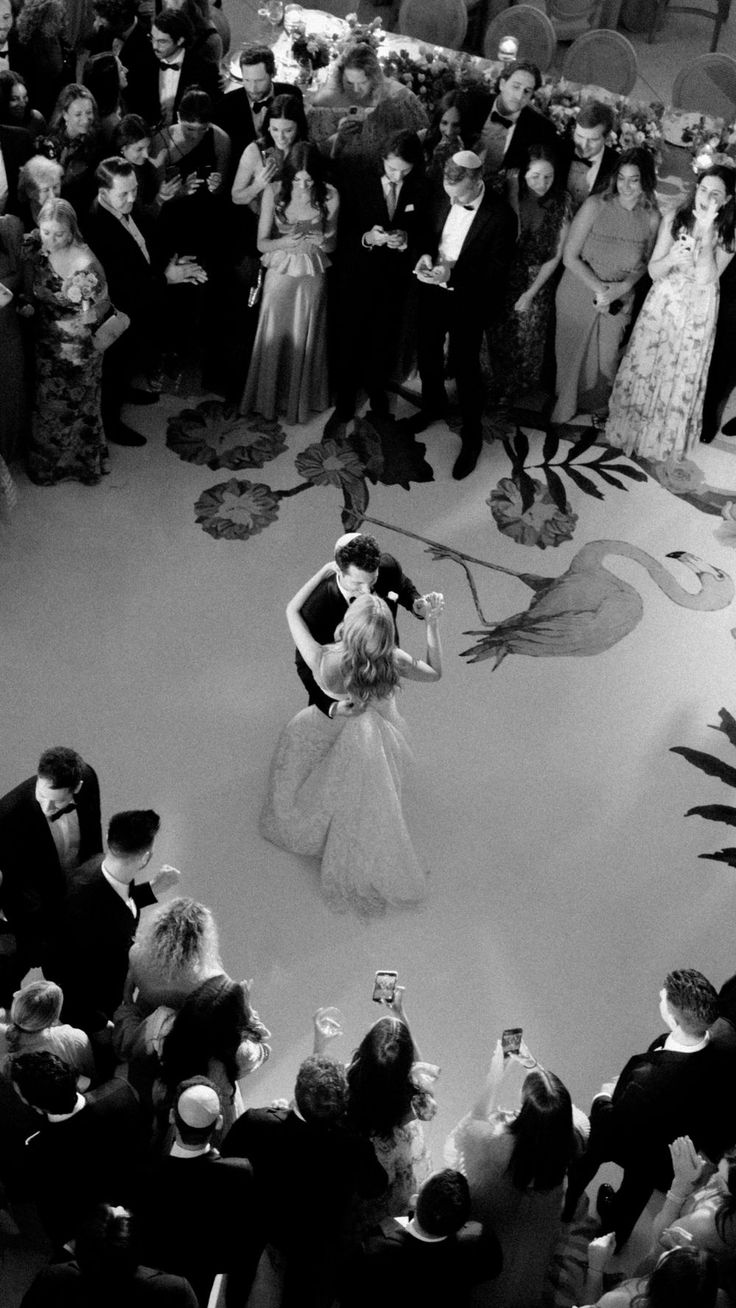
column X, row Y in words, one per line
column 142, row 623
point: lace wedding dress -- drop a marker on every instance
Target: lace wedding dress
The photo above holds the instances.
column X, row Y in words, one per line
column 335, row 792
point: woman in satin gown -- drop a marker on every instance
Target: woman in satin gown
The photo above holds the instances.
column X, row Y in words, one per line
column 335, row 785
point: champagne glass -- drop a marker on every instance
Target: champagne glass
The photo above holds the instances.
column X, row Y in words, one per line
column 330, row 1021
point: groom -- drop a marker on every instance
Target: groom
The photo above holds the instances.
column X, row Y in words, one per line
column 361, row 569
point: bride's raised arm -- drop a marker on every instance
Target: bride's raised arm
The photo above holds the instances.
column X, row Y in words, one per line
column 430, row 667
column 309, row 648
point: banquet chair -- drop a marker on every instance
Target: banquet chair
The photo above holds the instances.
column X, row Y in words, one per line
column 439, row 22
column 532, row 29
column 570, row 18
column 707, row 86
column 718, row 15
column 602, row 58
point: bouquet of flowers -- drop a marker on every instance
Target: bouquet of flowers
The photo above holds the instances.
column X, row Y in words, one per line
column 560, row 102
column 638, row 124
column 311, row 50
column 371, row 34
column 711, row 141
column 435, row 72
column 82, row 288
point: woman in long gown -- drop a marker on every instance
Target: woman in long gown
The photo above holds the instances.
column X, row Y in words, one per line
column 610, row 240
column 518, row 341
column 335, row 785
column 297, row 230
column 657, row 401
column 74, row 323
column 515, row 1163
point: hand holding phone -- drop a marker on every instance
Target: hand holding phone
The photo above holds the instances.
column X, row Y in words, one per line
column 384, row 987
column 511, row 1040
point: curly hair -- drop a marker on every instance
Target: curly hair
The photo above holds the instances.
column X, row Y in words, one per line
column 212, row 1023
column 380, row 1086
column 358, row 550
column 179, row 936
column 320, row 1091
column 693, row 998
column 46, row 16
column 544, row 1140
column 368, row 637
column 61, row 767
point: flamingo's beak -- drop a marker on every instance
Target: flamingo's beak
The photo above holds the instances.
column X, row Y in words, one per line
column 695, row 564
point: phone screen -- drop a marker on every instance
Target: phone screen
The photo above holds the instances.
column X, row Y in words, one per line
column 511, row 1040
column 384, row 987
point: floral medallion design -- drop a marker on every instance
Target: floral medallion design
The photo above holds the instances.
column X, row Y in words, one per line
column 236, row 510
column 542, row 523
column 214, row 434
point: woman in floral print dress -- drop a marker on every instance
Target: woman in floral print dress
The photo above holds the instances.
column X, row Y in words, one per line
column 656, row 405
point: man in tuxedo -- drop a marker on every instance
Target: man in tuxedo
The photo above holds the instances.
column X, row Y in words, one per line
column 241, row 113
column 512, row 124
column 587, row 161
column 683, row 1085
column 432, row 1258
column 462, row 276
column 138, row 275
column 49, row 825
column 380, row 236
column 97, row 923
column 119, row 30
column 361, row 567
column 7, row 44
column 197, row 1211
column 90, row 1148
column 179, row 66
column 307, row 1167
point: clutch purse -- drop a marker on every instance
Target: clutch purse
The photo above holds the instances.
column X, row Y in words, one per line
column 254, row 294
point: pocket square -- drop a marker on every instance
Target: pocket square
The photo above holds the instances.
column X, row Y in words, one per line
column 409, row 208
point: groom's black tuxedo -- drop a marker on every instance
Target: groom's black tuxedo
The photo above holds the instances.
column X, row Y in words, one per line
column 324, row 609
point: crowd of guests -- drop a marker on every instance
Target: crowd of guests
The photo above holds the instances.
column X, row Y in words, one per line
column 304, row 255
column 125, row 1071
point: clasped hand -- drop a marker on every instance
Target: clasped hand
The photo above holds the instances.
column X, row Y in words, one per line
column 430, row 606
column 184, row 268
column 687, row 1165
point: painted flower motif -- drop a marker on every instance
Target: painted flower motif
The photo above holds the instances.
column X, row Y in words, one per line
column 235, row 510
column 542, row 524
column 329, row 464
column 678, row 477
column 215, row 434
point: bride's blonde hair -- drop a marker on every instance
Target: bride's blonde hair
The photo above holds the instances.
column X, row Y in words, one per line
column 369, row 640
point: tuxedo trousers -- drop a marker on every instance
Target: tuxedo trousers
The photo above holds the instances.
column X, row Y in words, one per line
column 450, row 315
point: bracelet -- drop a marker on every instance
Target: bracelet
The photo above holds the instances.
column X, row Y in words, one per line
column 678, row 1198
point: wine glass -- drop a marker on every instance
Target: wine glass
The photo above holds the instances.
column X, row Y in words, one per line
column 275, row 12
column 330, row 1022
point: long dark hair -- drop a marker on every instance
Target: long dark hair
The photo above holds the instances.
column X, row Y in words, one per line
column 684, row 219
column 285, row 106
column 725, row 1214
column 303, row 156
column 544, row 1141
column 461, row 101
column 380, row 1088
column 212, row 1023
column 683, row 1278
column 636, row 157
column 542, row 154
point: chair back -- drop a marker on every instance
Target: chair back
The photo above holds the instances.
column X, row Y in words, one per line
column 338, row 8
column 707, row 86
column 438, row 22
column 570, row 18
column 532, row 29
column 602, row 58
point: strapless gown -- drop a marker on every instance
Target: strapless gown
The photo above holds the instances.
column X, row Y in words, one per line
column 335, row 792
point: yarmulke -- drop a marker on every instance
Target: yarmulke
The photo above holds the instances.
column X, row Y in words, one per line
column 466, row 159
column 198, row 1106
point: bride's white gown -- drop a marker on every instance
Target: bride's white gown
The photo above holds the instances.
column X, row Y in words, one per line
column 335, row 791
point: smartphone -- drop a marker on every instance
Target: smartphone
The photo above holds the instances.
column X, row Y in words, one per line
column 384, row 987
column 511, row 1040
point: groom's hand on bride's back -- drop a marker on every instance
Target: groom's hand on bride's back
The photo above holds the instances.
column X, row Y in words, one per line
column 347, row 709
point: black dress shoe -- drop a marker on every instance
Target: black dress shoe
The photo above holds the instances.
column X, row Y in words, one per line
column 122, row 435
column 336, row 426
column 604, row 1204
column 138, row 396
column 466, row 460
column 729, row 428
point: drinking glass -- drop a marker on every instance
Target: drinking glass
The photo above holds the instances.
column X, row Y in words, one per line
column 330, row 1022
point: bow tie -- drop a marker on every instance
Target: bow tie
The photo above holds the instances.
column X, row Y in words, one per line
column 5, row 54
column 496, row 117
column 62, row 812
column 162, row 64
column 586, row 163
column 259, row 105
column 458, row 204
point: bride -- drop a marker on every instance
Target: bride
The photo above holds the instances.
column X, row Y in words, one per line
column 335, row 785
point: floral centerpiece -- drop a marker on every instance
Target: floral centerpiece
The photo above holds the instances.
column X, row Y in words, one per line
column 560, row 102
column 311, row 51
column 711, row 141
column 435, row 72
column 371, row 34
column 635, row 123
